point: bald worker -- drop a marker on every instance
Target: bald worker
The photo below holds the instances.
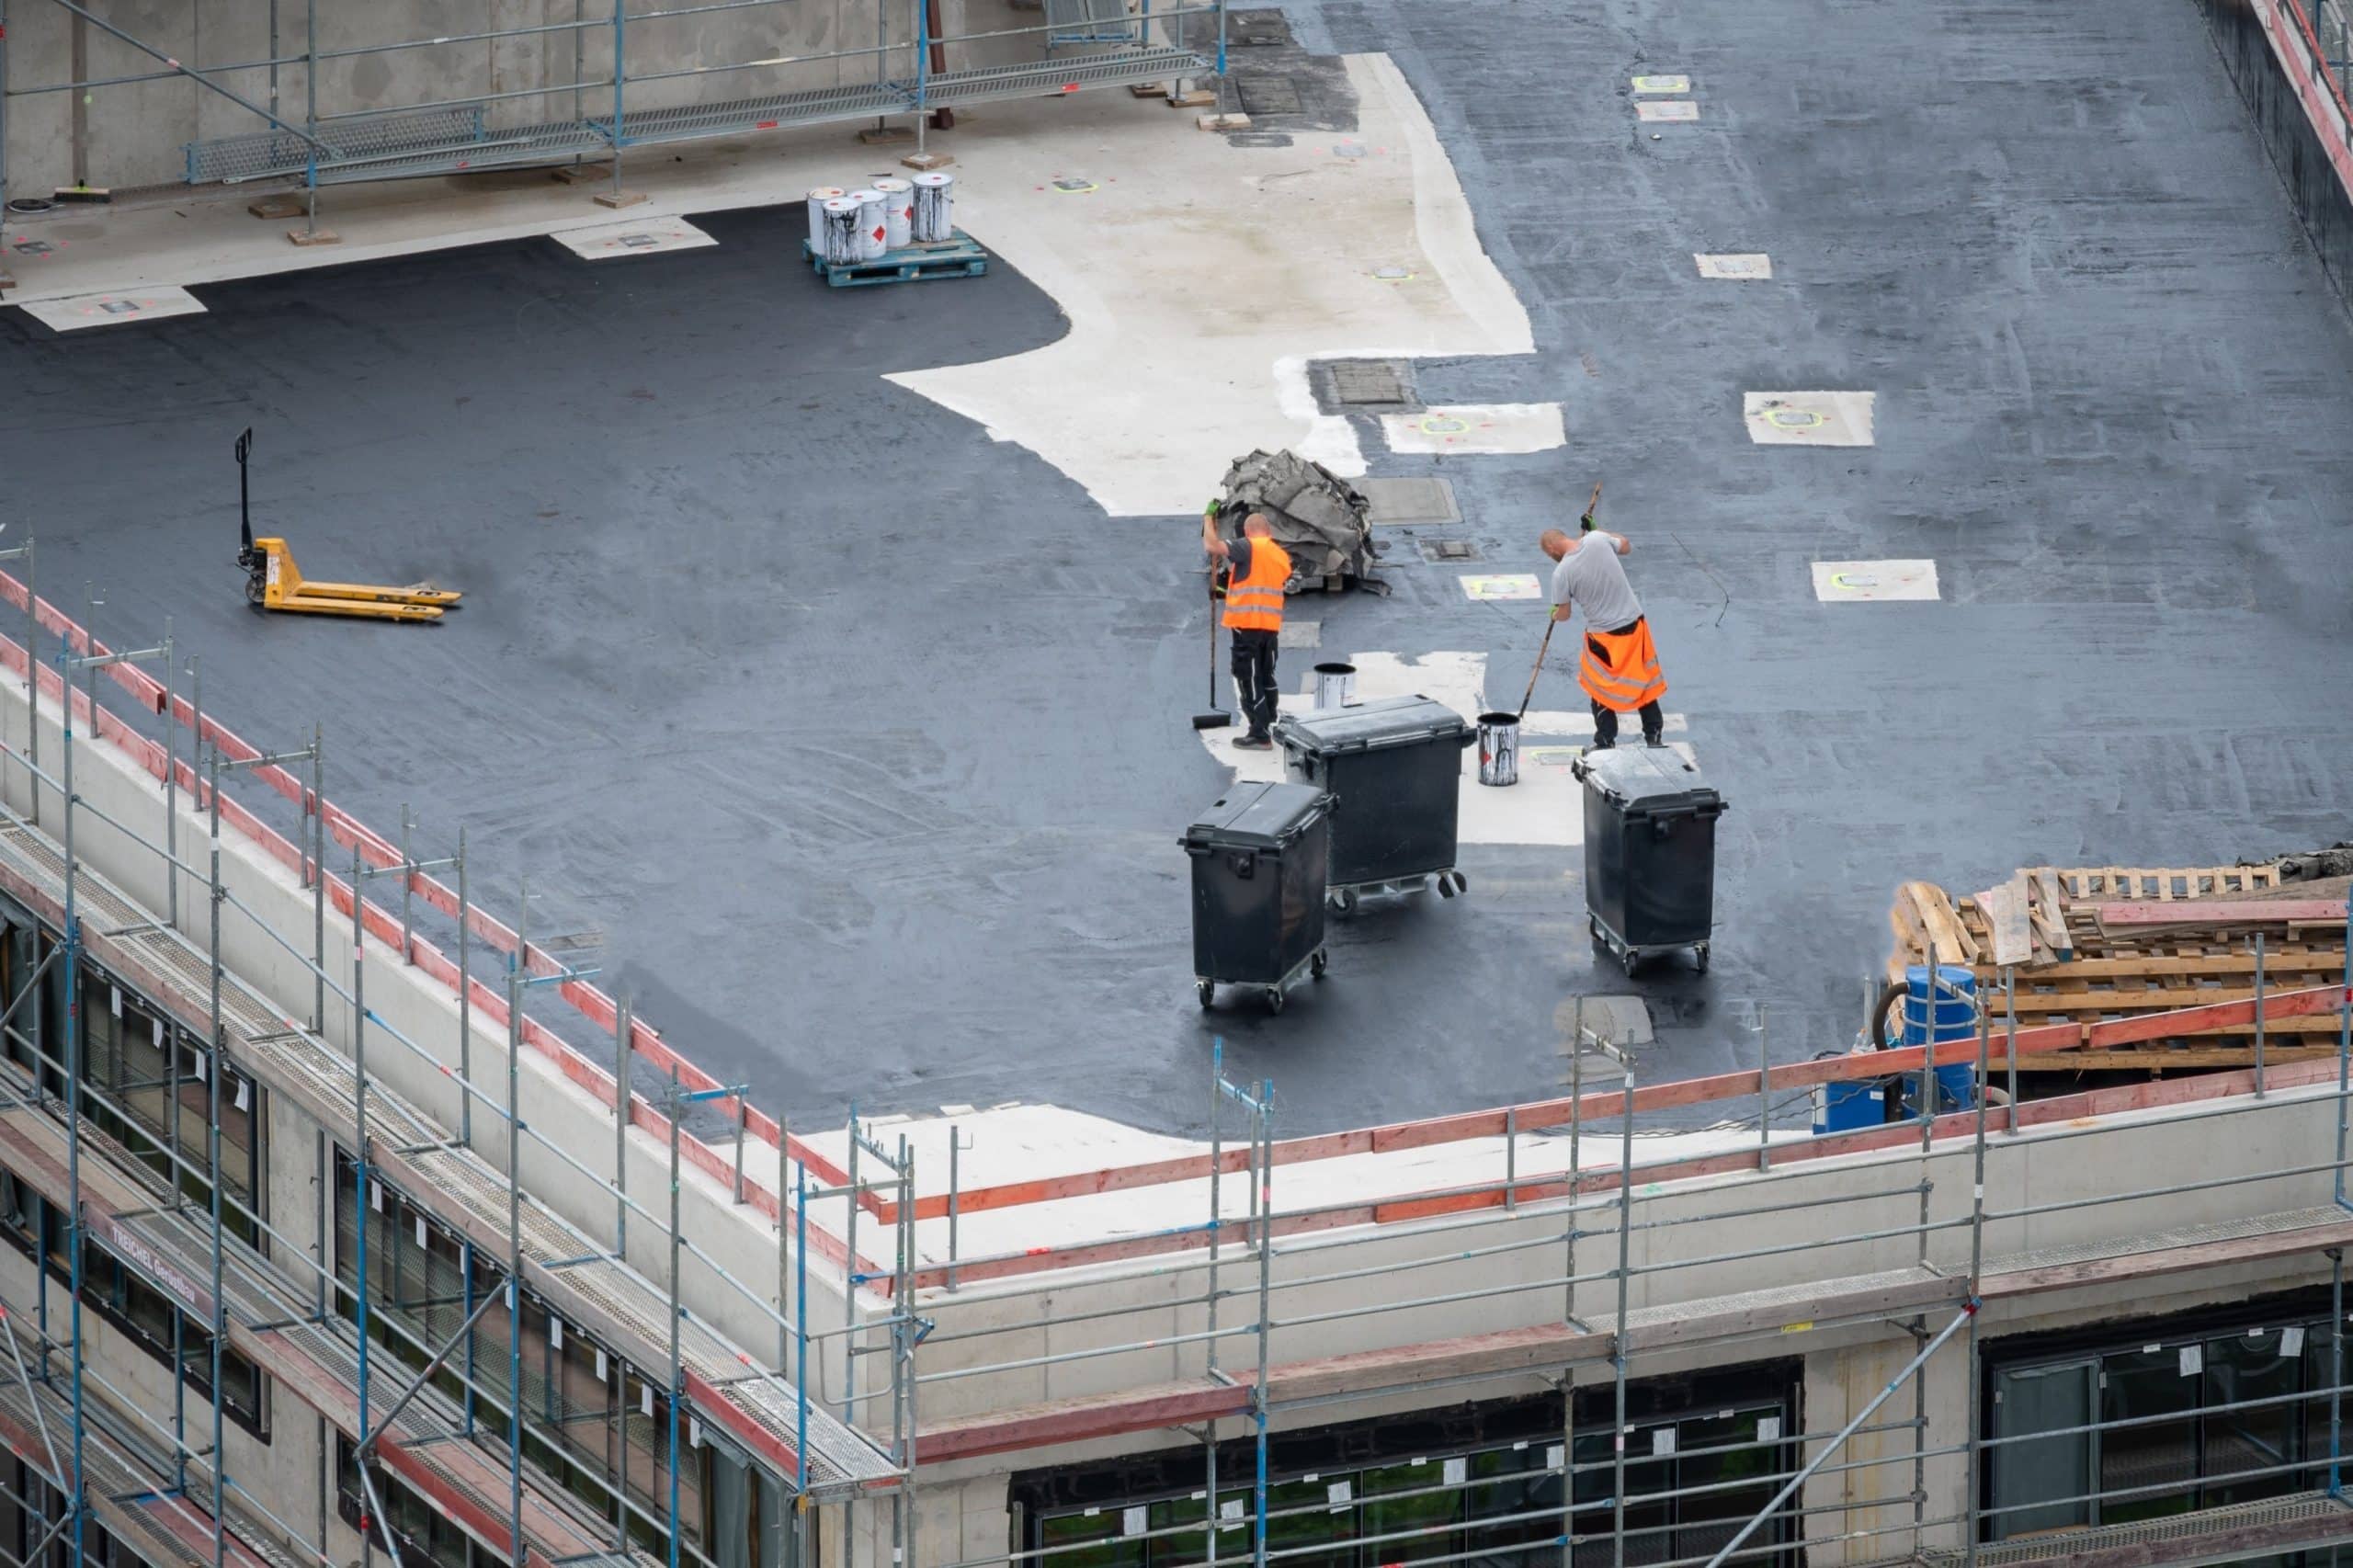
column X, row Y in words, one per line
column 1618, row 668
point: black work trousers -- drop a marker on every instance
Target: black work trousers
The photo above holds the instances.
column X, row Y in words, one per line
column 1254, row 678
column 1605, row 725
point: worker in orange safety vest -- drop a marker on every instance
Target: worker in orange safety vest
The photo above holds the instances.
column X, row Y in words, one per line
column 1257, row 568
column 1619, row 668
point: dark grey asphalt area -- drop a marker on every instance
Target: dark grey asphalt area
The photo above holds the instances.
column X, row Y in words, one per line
column 869, row 754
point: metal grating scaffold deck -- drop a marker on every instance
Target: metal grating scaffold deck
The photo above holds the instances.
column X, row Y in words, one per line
column 439, row 141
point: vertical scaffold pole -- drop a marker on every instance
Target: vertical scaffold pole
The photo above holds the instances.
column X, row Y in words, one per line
column 1217, row 1214
column 677, row 1382
column 465, row 1008
column 318, row 874
column 621, row 1055
column 1618, row 1357
column 72, row 1056
column 517, row 968
column 363, row 1193
column 1262, row 1128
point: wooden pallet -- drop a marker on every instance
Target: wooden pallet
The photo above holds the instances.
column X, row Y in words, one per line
column 959, row 257
column 2087, row 945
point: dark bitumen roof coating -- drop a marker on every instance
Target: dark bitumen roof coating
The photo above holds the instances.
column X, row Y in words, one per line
column 865, row 737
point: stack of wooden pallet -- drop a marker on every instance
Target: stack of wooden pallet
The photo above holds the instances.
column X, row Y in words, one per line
column 2095, row 943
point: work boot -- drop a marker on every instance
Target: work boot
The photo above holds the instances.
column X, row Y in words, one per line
column 1654, row 740
column 1254, row 743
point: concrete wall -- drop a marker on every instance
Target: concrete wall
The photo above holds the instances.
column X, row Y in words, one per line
column 133, row 135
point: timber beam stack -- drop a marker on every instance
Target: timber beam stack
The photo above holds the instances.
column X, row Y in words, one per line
column 2088, row 945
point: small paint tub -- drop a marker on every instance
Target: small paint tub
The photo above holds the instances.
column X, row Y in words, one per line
column 1498, row 749
column 1335, row 685
column 817, row 199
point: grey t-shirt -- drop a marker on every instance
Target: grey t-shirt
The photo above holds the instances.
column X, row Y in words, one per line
column 1591, row 577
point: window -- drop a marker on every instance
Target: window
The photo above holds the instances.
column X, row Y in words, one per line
column 1480, row 1486
column 426, row 1539
column 590, row 1420
column 147, row 1317
column 2199, row 1413
column 153, row 1087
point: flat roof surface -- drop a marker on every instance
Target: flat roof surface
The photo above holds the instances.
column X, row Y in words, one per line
column 864, row 735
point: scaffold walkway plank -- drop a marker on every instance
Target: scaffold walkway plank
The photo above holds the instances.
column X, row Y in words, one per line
column 727, row 1387
column 406, row 143
column 2240, row 1531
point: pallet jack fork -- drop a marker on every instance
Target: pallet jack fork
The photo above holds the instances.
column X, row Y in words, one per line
column 274, row 581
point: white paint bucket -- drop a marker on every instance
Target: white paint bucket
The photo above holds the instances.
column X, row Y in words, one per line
column 898, row 210
column 841, row 242
column 1335, row 685
column 873, row 232
column 817, row 199
column 934, row 214
column 1498, row 748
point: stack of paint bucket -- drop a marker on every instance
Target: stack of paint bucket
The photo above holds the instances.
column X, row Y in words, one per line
column 886, row 214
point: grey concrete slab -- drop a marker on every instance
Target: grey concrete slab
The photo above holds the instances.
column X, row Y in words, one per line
column 864, row 736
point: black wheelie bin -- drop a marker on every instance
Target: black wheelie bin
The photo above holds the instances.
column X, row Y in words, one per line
column 1650, row 852
column 1260, row 853
column 1396, row 766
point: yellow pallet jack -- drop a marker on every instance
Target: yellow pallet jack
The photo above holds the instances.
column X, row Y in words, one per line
column 274, row 581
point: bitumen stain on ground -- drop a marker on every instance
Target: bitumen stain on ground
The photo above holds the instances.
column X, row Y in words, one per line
column 864, row 737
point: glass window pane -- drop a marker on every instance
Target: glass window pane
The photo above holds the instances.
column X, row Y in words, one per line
column 2240, row 1367
column 1713, row 1456
column 1070, row 1530
column 1522, row 1494
column 2032, row 1479
column 1412, row 1501
column 1300, row 1515
column 2154, row 1466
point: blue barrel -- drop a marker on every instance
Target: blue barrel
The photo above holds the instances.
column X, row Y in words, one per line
column 1849, row 1104
column 1952, row 1016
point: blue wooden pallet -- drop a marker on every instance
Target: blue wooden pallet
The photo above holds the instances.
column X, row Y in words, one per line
column 960, row 258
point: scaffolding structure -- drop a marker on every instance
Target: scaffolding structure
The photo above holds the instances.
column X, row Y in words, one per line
column 1561, row 1252
column 601, row 112
column 415, row 1407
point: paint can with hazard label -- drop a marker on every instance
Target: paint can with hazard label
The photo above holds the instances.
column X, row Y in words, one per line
column 934, row 214
column 898, row 210
column 873, row 234
column 840, row 242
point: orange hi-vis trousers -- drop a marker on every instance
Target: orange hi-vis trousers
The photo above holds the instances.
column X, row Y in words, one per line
column 1620, row 669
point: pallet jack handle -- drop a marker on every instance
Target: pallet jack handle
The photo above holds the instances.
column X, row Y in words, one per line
column 244, row 500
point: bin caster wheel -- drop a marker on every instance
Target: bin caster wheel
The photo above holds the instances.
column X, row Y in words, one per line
column 1461, row 882
column 1632, row 959
column 1317, row 965
column 1700, row 954
column 1343, row 901
column 1205, row 990
column 1445, row 881
column 1275, row 998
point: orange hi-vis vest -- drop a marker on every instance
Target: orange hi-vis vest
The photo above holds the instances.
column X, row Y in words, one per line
column 1620, row 669
column 1254, row 603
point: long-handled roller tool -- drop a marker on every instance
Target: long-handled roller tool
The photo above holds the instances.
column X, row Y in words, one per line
column 1216, row 717
column 1550, row 622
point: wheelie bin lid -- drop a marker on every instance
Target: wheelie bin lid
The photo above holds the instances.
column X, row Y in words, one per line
column 1646, row 780
column 1376, row 725
column 1255, row 817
